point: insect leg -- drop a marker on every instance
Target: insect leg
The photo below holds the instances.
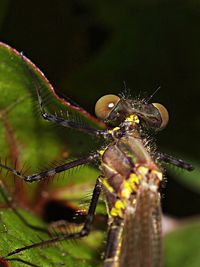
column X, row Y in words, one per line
column 54, row 118
column 84, row 231
column 113, row 243
column 50, row 172
column 8, row 200
column 177, row 162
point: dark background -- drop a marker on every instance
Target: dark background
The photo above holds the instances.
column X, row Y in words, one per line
column 88, row 48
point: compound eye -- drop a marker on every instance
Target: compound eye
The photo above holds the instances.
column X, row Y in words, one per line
column 163, row 114
column 105, row 105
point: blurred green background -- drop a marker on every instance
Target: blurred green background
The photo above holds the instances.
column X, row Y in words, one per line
column 88, row 48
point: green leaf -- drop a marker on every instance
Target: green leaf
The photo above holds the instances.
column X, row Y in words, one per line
column 182, row 246
column 67, row 253
column 25, row 136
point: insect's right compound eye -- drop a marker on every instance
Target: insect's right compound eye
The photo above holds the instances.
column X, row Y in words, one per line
column 105, row 105
column 163, row 113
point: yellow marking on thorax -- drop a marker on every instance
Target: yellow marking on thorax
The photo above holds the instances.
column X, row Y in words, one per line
column 118, row 208
column 107, row 185
column 133, row 178
column 132, row 118
column 129, row 186
column 101, row 151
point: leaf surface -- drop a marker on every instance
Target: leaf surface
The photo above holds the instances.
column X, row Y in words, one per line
column 25, row 136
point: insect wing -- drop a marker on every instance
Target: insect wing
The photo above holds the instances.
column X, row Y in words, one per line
column 141, row 241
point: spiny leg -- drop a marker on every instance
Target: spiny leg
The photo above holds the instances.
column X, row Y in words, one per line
column 84, row 231
column 54, row 118
column 50, row 172
column 172, row 160
column 9, row 201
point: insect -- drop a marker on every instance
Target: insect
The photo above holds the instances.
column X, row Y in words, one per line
column 131, row 176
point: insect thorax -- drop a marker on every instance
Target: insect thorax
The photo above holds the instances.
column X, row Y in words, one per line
column 126, row 166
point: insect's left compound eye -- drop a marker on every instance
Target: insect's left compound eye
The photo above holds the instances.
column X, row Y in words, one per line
column 163, row 114
column 105, row 105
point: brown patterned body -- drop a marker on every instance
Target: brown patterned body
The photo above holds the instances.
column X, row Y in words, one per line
column 130, row 184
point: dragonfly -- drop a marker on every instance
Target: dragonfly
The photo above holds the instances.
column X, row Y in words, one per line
column 130, row 180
